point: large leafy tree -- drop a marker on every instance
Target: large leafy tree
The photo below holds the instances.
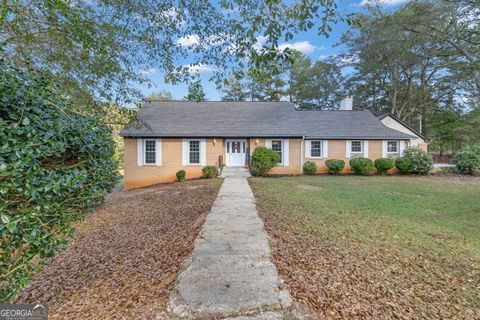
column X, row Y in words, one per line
column 102, row 48
column 162, row 95
column 397, row 70
column 234, row 89
column 316, row 85
column 455, row 23
column 266, row 84
column 195, row 91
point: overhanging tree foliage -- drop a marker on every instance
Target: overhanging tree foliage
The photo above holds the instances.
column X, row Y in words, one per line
column 102, row 48
column 54, row 164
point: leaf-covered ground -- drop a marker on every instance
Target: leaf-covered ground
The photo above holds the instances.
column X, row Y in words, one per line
column 126, row 254
column 388, row 247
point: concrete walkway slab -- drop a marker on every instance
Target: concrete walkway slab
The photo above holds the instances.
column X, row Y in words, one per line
column 230, row 273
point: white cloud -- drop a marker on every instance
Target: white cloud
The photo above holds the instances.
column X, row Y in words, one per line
column 201, row 68
column 323, row 57
column 385, row 3
column 194, row 40
column 302, row 46
column 148, row 71
column 189, row 40
column 170, row 12
column 261, row 40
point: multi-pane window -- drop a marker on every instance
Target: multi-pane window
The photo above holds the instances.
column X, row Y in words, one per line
column 150, row 151
column 194, row 151
column 356, row 146
column 316, row 148
column 392, row 146
column 277, row 147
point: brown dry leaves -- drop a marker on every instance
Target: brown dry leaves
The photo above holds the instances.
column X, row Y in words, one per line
column 126, row 254
column 338, row 278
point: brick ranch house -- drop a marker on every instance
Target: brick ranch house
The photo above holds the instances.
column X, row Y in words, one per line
column 185, row 135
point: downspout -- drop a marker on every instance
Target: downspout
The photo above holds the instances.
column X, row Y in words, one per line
column 301, row 153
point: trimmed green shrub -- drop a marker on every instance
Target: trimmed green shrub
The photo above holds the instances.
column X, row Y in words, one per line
column 54, row 165
column 210, row 171
column 422, row 162
column 362, row 166
column 335, row 166
column 264, row 160
column 181, row 175
column 384, row 164
column 403, row 165
column 467, row 160
column 309, row 168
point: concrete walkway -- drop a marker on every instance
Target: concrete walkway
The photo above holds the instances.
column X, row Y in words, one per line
column 230, row 274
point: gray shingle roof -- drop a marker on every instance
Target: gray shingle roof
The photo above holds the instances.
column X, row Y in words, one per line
column 255, row 119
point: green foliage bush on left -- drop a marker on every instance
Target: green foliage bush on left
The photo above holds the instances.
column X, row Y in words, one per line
column 403, row 165
column 210, row 171
column 264, row 159
column 54, row 164
column 309, row 168
column 335, row 166
column 181, row 175
column 384, row 164
column 362, row 166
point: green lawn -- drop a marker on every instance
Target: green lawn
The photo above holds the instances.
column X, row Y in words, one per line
column 426, row 229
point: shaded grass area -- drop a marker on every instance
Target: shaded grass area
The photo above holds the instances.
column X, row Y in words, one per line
column 126, row 254
column 377, row 247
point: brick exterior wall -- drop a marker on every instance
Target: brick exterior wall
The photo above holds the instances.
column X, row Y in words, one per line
column 140, row 176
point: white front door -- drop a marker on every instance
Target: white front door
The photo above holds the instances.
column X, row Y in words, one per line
column 236, row 152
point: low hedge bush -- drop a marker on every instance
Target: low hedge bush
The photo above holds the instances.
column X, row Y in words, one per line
column 362, row 166
column 335, row 166
column 181, row 175
column 467, row 160
column 403, row 165
column 264, row 160
column 384, row 164
column 422, row 162
column 309, row 168
column 210, row 171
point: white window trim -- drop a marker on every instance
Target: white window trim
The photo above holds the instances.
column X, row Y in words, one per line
column 285, row 150
column 363, row 152
column 324, row 149
column 362, row 148
column 397, row 145
column 141, row 152
column 186, row 152
column 400, row 148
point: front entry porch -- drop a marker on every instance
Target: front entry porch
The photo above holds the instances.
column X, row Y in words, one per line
column 236, row 152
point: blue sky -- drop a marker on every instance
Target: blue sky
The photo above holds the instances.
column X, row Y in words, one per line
column 310, row 43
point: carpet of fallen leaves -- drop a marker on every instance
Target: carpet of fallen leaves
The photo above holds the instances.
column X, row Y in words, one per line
column 338, row 278
column 126, row 254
